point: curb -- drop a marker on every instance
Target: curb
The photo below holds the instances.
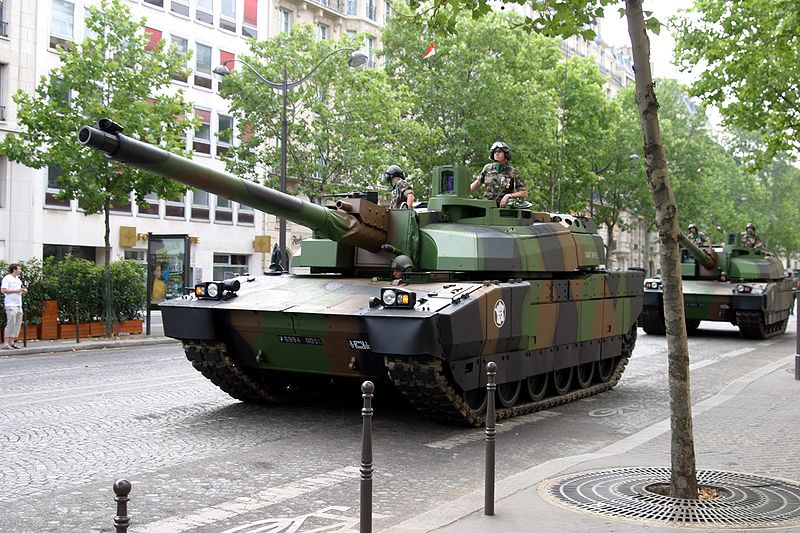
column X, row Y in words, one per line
column 88, row 345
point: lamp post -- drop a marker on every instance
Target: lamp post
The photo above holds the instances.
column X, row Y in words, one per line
column 356, row 59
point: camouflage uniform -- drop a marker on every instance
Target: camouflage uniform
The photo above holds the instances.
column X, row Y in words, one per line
column 750, row 239
column 400, row 194
column 698, row 238
column 500, row 180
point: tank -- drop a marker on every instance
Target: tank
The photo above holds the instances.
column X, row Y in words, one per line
column 729, row 283
column 425, row 297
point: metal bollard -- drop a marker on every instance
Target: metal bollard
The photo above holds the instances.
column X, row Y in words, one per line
column 367, row 388
column 491, row 386
column 77, row 323
column 797, row 339
column 122, row 487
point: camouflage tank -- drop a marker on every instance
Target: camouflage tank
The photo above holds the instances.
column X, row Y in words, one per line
column 427, row 296
column 730, row 283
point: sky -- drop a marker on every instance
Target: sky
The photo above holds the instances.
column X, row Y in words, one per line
column 614, row 31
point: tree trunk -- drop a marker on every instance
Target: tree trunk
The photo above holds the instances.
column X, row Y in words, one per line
column 684, row 475
column 610, row 245
column 107, row 300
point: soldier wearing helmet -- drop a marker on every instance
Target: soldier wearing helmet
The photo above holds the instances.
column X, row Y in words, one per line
column 402, row 191
column 502, row 181
column 696, row 237
column 749, row 237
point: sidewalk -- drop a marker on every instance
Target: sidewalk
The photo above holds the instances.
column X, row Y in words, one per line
column 749, row 427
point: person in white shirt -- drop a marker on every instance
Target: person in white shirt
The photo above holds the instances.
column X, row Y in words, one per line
column 13, row 290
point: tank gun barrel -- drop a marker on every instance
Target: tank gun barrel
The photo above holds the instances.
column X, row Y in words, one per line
column 327, row 223
column 709, row 261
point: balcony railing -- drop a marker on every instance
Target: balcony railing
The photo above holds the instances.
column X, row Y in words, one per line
column 333, row 5
column 2, row 113
column 3, row 29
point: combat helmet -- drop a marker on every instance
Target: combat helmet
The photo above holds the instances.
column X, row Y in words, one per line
column 392, row 171
column 692, row 226
column 500, row 145
column 749, row 225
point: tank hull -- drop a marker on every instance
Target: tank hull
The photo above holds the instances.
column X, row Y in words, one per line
column 759, row 309
column 288, row 334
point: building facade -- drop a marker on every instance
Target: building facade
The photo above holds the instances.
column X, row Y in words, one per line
column 227, row 238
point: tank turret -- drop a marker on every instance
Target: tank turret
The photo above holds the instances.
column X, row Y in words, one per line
column 427, row 296
column 726, row 283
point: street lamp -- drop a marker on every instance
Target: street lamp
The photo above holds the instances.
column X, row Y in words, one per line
column 356, row 60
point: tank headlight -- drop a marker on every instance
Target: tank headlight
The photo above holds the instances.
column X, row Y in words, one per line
column 743, row 289
column 212, row 290
column 398, row 298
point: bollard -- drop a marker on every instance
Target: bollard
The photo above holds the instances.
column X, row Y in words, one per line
column 491, row 386
column 24, row 331
column 77, row 323
column 367, row 388
column 122, row 487
column 797, row 339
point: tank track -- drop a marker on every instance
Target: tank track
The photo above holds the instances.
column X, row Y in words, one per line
column 751, row 325
column 212, row 360
column 424, row 383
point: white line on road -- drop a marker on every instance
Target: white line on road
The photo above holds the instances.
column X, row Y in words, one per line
column 96, row 385
column 239, row 506
column 479, row 434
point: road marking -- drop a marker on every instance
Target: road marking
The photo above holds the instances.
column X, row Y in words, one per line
column 478, row 434
column 239, row 506
column 95, row 386
column 726, row 355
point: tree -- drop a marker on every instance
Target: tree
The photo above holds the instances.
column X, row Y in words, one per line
column 114, row 73
column 750, row 66
column 344, row 125
column 570, row 17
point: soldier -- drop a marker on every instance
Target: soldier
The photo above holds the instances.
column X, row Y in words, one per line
column 402, row 191
column 749, row 237
column 502, row 181
column 696, row 237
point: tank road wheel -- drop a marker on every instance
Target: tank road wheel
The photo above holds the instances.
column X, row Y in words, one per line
column 605, row 369
column 476, row 399
column 537, row 386
column 562, row 380
column 508, row 393
column 585, row 375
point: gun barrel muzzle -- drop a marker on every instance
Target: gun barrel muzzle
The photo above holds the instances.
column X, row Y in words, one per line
column 98, row 139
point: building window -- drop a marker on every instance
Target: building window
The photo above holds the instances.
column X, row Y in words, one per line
column 150, row 206
column 154, row 37
column 135, row 255
column 322, row 32
column 284, row 21
column 246, row 215
column 227, row 59
column 371, row 9
column 227, row 15
column 199, row 205
column 3, row 181
column 61, row 251
column 371, row 51
column 52, row 189
column 61, row 23
column 224, row 133
column 121, row 207
column 180, row 7
column 156, row 3
column 2, row 93
column 204, row 11
column 182, row 46
column 3, row 23
column 224, row 211
column 250, row 21
column 227, row 266
column 351, row 7
column 387, row 11
column 175, row 208
column 202, row 135
column 202, row 75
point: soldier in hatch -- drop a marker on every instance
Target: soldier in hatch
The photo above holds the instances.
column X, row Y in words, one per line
column 502, row 181
column 402, row 191
column 749, row 237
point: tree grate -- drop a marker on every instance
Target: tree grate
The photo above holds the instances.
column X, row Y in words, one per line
column 745, row 501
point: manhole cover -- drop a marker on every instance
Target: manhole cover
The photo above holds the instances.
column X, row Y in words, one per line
column 744, row 501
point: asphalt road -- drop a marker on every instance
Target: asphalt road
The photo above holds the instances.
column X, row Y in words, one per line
column 73, row 423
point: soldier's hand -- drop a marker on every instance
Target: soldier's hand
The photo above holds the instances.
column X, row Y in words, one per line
column 504, row 200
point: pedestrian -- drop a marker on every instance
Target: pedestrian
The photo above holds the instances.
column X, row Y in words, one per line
column 13, row 290
column 750, row 239
column 696, row 237
column 402, row 191
column 502, row 182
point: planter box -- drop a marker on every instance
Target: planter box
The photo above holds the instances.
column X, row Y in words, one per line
column 133, row 327
column 47, row 332
column 97, row 328
column 67, row 331
column 48, row 329
column 31, row 334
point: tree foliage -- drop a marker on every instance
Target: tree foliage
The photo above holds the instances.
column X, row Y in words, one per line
column 344, row 125
column 750, row 66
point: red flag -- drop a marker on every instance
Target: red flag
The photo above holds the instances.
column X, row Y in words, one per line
column 431, row 51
